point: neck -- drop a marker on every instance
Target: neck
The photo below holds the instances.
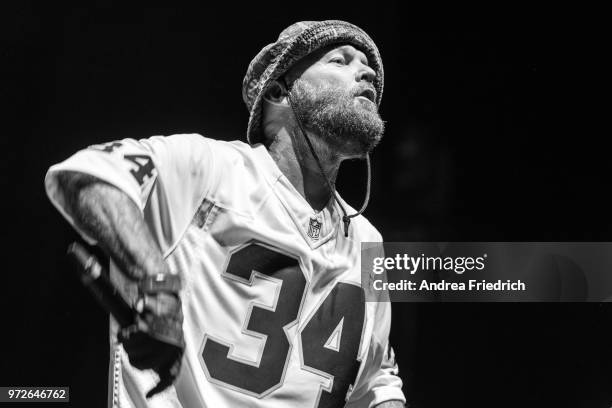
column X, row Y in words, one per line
column 294, row 158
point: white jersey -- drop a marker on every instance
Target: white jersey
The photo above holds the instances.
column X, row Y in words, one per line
column 272, row 302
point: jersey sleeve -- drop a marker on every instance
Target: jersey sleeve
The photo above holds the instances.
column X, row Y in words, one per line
column 379, row 380
column 166, row 177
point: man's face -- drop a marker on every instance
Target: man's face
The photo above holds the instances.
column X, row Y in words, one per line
column 334, row 98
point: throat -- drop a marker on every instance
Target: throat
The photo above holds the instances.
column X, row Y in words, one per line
column 302, row 171
column 316, row 192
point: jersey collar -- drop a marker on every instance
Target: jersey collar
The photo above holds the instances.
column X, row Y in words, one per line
column 316, row 227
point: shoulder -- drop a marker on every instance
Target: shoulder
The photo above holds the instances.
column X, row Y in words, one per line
column 226, row 152
column 226, row 158
column 363, row 229
column 187, row 141
column 181, row 141
column 198, row 148
column 248, row 163
column 367, row 231
column 232, row 151
column 183, row 148
column 241, row 174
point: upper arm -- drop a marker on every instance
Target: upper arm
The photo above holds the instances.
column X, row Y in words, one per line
column 165, row 177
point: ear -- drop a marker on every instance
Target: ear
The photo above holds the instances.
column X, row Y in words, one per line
column 276, row 92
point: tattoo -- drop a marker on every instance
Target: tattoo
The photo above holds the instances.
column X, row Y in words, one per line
column 108, row 215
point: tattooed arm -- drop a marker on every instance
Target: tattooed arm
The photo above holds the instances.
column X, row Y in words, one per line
column 113, row 219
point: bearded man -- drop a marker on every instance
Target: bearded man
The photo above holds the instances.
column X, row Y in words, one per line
column 242, row 258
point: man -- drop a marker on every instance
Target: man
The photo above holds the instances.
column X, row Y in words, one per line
column 243, row 254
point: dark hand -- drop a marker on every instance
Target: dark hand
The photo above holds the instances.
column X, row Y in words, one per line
column 156, row 340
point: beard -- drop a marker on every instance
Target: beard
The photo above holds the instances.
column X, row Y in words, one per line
column 347, row 126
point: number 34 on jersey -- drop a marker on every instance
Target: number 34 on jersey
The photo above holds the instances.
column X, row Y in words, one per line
column 329, row 342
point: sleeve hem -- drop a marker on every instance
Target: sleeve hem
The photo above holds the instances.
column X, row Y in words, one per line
column 385, row 394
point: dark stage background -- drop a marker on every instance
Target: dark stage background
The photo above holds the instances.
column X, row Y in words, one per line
column 473, row 151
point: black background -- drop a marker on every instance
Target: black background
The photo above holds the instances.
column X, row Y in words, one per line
column 480, row 145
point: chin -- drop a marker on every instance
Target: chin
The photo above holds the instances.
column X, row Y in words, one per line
column 355, row 147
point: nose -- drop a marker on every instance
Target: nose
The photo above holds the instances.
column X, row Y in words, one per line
column 365, row 73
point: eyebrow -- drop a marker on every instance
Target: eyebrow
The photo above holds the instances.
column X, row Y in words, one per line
column 351, row 49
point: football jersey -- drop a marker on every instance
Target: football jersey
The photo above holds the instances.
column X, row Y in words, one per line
column 274, row 314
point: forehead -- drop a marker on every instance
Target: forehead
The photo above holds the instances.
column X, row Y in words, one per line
column 342, row 48
column 325, row 52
